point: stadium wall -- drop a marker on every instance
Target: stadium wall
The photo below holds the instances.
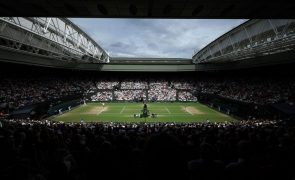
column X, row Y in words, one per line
column 63, row 106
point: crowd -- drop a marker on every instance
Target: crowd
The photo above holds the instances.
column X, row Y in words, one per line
column 253, row 90
column 102, row 96
column 19, row 92
column 134, row 84
column 55, row 150
column 161, row 91
column 130, row 95
column 106, row 84
column 186, row 96
column 184, row 84
column 16, row 92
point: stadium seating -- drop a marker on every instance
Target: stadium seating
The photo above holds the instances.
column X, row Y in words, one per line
column 51, row 150
column 18, row 92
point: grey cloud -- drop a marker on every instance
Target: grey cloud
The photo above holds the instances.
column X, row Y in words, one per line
column 156, row 37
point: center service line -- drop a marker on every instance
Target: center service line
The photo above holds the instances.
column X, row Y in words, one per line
column 167, row 110
column 122, row 109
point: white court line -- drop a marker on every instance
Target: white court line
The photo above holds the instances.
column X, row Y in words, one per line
column 122, row 109
column 188, row 112
column 167, row 110
column 100, row 111
column 160, row 115
column 184, row 108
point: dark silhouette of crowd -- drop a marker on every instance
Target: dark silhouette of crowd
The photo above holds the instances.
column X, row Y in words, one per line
column 47, row 150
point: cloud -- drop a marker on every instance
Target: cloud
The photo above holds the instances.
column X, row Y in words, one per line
column 154, row 37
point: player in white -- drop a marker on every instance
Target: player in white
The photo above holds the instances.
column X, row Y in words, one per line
column 103, row 104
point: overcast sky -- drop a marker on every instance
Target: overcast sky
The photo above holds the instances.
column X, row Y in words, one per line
column 169, row 38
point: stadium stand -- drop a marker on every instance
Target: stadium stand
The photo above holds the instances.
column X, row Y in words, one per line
column 17, row 92
column 53, row 150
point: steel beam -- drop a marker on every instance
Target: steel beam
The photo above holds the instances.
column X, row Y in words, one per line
column 56, row 35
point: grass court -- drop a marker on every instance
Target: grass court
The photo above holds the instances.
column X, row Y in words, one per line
column 124, row 112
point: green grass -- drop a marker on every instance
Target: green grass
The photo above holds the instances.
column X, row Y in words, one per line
column 123, row 112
